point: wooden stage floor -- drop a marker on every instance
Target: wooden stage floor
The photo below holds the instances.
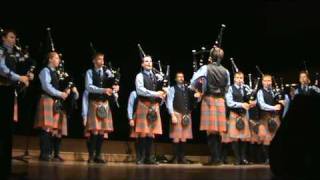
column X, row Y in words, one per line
column 81, row 170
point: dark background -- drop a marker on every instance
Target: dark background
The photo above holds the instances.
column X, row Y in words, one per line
column 276, row 36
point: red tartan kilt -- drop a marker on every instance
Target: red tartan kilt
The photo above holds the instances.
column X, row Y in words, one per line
column 233, row 134
column 48, row 120
column 97, row 125
column 213, row 115
column 264, row 134
column 178, row 131
column 257, row 138
column 142, row 126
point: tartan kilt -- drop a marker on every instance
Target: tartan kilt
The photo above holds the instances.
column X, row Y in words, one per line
column 266, row 136
column 97, row 125
column 133, row 133
column 142, row 126
column 178, row 131
column 233, row 134
column 257, row 138
column 46, row 119
column 213, row 115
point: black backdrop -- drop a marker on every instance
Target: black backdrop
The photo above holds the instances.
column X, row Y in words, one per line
column 276, row 36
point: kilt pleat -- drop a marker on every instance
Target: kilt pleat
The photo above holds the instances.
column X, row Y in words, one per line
column 95, row 124
column 47, row 119
column 178, row 131
column 213, row 115
column 142, row 126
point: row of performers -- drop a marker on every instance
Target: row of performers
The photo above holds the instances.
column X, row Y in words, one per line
column 143, row 107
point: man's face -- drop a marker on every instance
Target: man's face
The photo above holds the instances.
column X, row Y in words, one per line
column 98, row 61
column 238, row 79
column 55, row 60
column 267, row 82
column 303, row 79
column 9, row 39
column 147, row 63
column 180, row 78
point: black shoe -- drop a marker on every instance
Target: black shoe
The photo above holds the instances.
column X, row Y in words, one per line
column 151, row 162
column 244, row 162
column 184, row 161
column 213, row 163
column 140, row 161
column 58, row 159
column 99, row 161
column 44, row 158
column 174, row 160
column 90, row 160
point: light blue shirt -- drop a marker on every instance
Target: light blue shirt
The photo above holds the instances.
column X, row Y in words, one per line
column 229, row 98
column 308, row 88
column 4, row 70
column 286, row 105
column 45, row 80
column 89, row 81
column 264, row 106
column 130, row 109
column 85, row 104
column 141, row 90
column 170, row 98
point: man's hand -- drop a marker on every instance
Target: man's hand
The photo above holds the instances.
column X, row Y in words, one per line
column 64, row 95
column 245, row 106
column 67, row 91
column 116, row 88
column 84, row 122
column 252, row 103
column 197, row 94
column 131, row 122
column 108, row 91
column 30, row 76
column 24, row 80
column 282, row 102
column 74, row 90
column 161, row 94
column 278, row 107
column 174, row 119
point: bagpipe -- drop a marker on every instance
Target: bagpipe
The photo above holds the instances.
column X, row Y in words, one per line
column 115, row 74
column 163, row 79
column 65, row 80
column 251, row 90
column 202, row 54
column 162, row 84
column 278, row 95
column 24, row 63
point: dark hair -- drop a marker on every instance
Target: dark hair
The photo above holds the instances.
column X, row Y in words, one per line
column 306, row 73
column 267, row 75
column 142, row 59
column 97, row 54
column 239, row 73
column 49, row 56
column 179, row 72
column 7, row 31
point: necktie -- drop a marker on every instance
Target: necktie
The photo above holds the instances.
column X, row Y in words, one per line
column 151, row 77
